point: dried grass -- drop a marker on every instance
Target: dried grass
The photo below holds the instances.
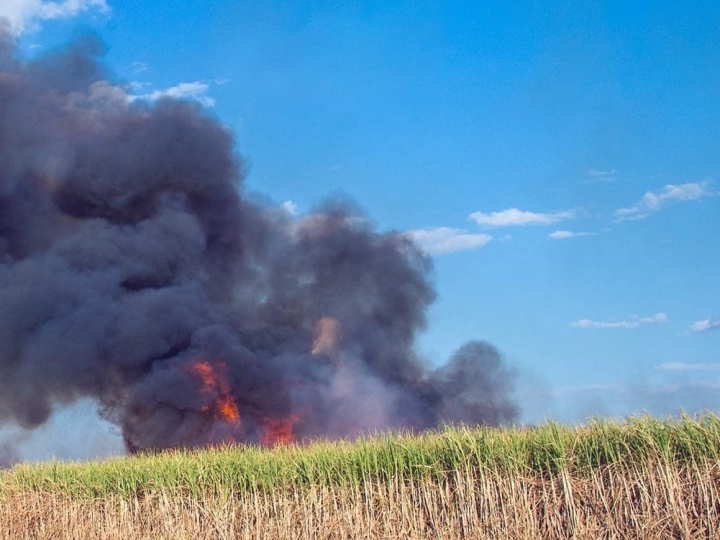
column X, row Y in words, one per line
column 646, row 478
column 652, row 501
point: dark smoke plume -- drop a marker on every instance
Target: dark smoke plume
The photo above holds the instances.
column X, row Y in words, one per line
column 134, row 271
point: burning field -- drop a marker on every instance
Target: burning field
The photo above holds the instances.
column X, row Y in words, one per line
column 134, row 271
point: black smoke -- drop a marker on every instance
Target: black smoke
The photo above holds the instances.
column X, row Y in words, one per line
column 128, row 253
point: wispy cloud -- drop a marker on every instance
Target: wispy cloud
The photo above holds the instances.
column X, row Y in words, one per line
column 598, row 175
column 564, row 235
column 705, row 325
column 139, row 67
column 653, row 202
column 196, row 91
column 23, row 15
column 634, row 322
column 442, row 240
column 138, row 86
column 682, row 366
column 514, row 217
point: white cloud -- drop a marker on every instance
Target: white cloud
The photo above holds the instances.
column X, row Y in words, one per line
column 290, row 208
column 23, row 15
column 137, row 86
column 139, row 67
column 563, row 235
column 682, row 366
column 653, row 202
column 443, row 240
column 634, row 322
column 705, row 325
column 598, row 172
column 196, row 91
column 513, row 216
column 597, row 175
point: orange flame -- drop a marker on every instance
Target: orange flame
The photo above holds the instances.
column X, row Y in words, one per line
column 278, row 430
column 215, row 385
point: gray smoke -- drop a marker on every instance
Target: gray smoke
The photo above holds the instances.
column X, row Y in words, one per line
column 129, row 254
column 8, row 453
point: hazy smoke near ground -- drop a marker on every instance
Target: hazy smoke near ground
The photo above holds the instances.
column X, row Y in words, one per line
column 133, row 271
column 8, row 454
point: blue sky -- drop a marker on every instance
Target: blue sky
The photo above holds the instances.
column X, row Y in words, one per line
column 560, row 160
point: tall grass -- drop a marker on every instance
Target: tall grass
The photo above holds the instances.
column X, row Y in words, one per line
column 542, row 450
column 603, row 480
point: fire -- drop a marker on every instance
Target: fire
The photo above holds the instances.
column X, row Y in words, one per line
column 278, row 430
column 215, row 385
